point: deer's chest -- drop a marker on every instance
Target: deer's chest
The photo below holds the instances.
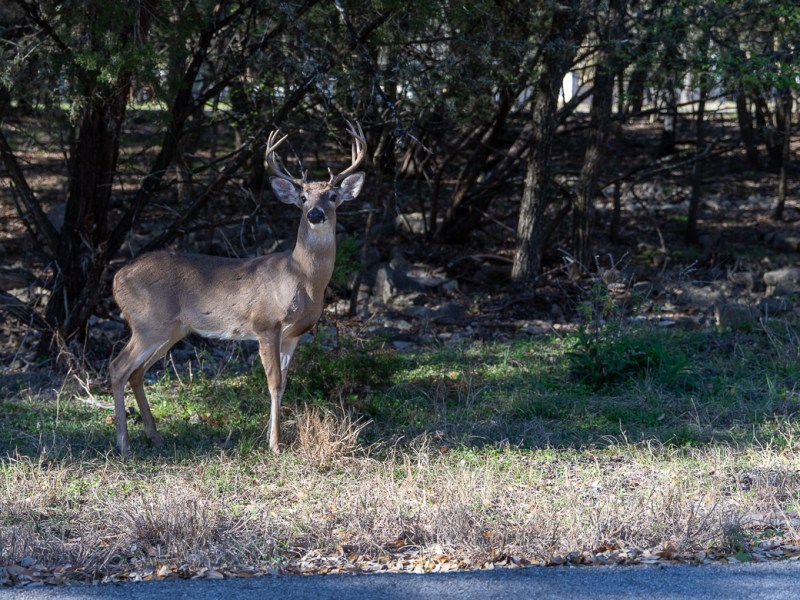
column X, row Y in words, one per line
column 298, row 312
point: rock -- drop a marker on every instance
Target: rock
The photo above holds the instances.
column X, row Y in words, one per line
column 449, row 313
column 426, row 279
column 535, row 327
column 773, row 306
column 392, row 279
column 388, row 325
column 708, row 241
column 783, row 240
column 403, row 301
column 56, row 215
column 743, row 278
column 556, row 312
column 414, row 223
column 697, row 296
column 783, row 282
column 450, row 286
column 401, row 345
column 420, row 312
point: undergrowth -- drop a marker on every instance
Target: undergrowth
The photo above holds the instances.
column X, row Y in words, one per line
column 610, row 436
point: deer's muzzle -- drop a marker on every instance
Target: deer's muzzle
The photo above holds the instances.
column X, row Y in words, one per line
column 316, row 216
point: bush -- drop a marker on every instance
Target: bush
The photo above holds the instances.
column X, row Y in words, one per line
column 609, row 356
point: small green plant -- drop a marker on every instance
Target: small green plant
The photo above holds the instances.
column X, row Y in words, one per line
column 737, row 539
column 606, row 352
column 352, row 368
column 347, row 260
column 611, row 356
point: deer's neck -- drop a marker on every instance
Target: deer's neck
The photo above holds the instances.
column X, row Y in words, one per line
column 314, row 255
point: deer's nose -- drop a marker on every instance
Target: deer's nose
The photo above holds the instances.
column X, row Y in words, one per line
column 316, row 216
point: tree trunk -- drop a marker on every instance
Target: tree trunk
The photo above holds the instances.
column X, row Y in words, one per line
column 583, row 210
column 669, row 130
column 700, row 143
column 785, row 116
column 78, row 263
column 464, row 216
column 770, row 127
column 566, row 30
column 746, row 130
column 636, row 87
column 697, row 167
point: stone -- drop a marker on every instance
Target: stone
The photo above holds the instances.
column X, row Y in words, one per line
column 697, row 296
column 414, row 223
column 774, row 306
column 450, row 286
column 392, row 279
column 783, row 240
column 450, row 313
column 743, row 278
column 787, row 276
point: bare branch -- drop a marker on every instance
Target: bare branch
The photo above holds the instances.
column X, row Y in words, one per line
column 23, row 313
column 32, row 11
column 34, row 209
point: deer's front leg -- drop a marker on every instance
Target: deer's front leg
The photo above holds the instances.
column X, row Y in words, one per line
column 270, row 351
column 288, row 347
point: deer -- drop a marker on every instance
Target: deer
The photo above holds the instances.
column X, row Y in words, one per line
column 273, row 299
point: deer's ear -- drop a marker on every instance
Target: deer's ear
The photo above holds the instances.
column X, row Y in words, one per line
column 351, row 187
column 286, row 191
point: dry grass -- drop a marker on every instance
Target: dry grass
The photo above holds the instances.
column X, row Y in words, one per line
column 472, row 505
column 323, row 437
column 723, row 481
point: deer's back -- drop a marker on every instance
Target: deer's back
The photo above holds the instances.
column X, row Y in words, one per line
column 210, row 295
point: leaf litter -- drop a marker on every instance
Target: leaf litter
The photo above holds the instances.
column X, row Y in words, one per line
column 436, row 514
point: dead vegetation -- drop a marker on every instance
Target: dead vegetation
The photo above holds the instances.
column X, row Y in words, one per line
column 415, row 508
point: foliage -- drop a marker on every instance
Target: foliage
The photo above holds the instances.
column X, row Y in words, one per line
column 349, row 370
column 448, row 93
column 608, row 357
column 474, row 449
column 347, row 260
column 606, row 352
column 683, row 388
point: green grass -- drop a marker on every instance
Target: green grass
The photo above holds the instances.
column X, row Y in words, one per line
column 474, row 452
column 677, row 387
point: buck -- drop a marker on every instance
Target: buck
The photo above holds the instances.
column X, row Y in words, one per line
column 273, row 299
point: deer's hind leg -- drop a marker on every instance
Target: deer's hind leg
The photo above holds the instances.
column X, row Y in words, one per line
column 148, row 422
column 130, row 366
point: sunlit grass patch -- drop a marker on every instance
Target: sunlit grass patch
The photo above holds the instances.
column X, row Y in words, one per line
column 474, row 452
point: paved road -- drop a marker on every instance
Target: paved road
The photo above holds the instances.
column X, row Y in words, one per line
column 772, row 581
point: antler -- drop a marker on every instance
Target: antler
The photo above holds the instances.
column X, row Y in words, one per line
column 270, row 157
column 358, row 153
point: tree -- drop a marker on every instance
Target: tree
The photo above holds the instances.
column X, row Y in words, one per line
column 97, row 51
column 608, row 33
column 567, row 24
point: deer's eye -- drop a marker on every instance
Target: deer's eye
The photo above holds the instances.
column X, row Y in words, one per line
column 303, row 198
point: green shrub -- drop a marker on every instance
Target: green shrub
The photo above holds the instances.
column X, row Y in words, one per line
column 351, row 368
column 609, row 356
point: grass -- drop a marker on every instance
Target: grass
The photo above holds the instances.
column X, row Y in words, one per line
column 612, row 441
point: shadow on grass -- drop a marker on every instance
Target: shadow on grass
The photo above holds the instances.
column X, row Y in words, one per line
column 680, row 388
